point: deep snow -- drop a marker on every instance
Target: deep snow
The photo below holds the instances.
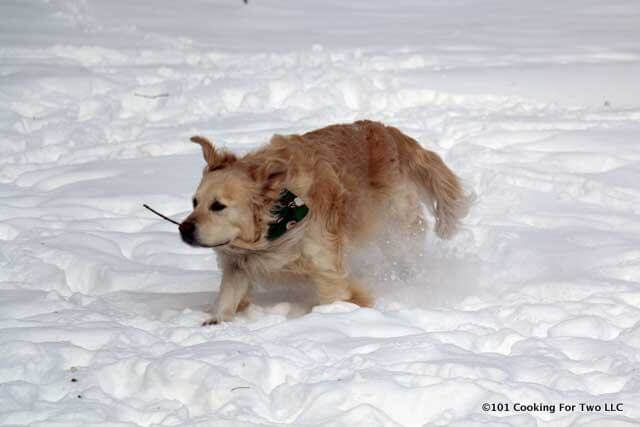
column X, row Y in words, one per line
column 537, row 301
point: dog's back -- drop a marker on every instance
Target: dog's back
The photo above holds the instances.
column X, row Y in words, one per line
column 382, row 171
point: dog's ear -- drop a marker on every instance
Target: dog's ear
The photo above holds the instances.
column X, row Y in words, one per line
column 215, row 159
column 270, row 175
column 208, row 152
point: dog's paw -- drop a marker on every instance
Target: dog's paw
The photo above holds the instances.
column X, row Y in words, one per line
column 226, row 316
column 210, row 322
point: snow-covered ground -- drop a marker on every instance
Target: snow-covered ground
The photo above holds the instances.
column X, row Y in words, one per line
column 537, row 301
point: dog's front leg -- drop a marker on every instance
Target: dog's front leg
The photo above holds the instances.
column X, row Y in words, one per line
column 233, row 293
column 332, row 286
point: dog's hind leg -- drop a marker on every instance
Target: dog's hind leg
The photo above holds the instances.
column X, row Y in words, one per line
column 402, row 236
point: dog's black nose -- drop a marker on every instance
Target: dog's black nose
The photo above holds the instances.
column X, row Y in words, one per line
column 187, row 231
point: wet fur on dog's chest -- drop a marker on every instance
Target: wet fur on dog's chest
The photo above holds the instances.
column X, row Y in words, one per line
column 286, row 256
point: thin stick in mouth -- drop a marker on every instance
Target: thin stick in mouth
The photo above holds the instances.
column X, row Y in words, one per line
column 160, row 215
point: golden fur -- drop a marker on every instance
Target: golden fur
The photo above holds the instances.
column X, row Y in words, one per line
column 354, row 178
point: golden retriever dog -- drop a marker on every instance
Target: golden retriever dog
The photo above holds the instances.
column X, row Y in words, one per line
column 287, row 212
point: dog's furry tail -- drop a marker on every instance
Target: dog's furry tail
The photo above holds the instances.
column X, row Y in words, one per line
column 446, row 198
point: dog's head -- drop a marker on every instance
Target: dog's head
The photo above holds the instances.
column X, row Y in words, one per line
column 231, row 202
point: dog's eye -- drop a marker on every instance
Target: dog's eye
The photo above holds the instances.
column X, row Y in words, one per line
column 195, row 202
column 217, row 206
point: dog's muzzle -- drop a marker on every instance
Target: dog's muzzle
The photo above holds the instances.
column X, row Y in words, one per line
column 188, row 232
